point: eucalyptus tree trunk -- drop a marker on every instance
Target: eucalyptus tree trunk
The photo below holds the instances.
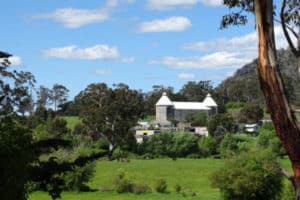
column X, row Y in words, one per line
column 285, row 122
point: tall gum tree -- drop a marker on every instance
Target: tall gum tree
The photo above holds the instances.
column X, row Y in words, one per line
column 285, row 122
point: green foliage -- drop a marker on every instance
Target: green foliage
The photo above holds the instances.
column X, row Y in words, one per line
column 207, row 146
column 251, row 113
column 268, row 126
column 170, row 144
column 200, row 119
column 79, row 177
column 119, row 153
column 111, row 111
column 234, row 105
column 219, row 124
column 16, row 154
column 254, row 175
column 178, row 188
column 124, row 185
column 140, row 188
column 183, row 144
column 268, row 139
column 288, row 192
column 161, row 186
column 80, row 129
column 196, row 91
column 231, row 145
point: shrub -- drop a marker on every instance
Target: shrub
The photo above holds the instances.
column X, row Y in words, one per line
column 119, row 154
column 229, row 146
column 80, row 129
column 140, row 189
column 170, row 144
column 161, row 186
column 177, row 188
column 200, row 119
column 221, row 120
column 268, row 139
column 288, row 192
column 268, row 126
column 254, row 175
column 251, row 113
column 122, row 184
column 232, row 105
column 183, row 144
column 207, row 146
column 79, row 176
column 232, row 144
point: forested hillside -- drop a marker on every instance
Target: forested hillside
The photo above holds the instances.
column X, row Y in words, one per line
column 244, row 86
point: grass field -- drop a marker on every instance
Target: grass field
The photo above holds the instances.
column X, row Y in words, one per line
column 72, row 121
column 192, row 174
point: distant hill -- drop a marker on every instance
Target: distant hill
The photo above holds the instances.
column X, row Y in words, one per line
column 243, row 86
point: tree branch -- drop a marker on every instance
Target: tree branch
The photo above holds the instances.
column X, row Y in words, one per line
column 284, row 28
column 288, row 27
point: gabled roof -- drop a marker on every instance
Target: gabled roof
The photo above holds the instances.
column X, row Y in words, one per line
column 190, row 106
column 209, row 102
column 164, row 101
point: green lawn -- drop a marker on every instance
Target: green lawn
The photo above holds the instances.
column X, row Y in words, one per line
column 72, row 121
column 192, row 174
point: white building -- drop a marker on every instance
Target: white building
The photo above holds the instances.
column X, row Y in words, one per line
column 167, row 110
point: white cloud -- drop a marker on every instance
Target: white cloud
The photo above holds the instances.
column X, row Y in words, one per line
column 235, row 51
column 186, row 76
column 169, row 4
column 128, row 59
column 75, row 18
column 212, row 61
column 247, row 42
column 97, row 52
column 212, row 2
column 172, row 4
column 172, row 24
column 101, row 52
column 103, row 72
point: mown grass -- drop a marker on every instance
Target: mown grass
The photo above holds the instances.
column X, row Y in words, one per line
column 72, row 121
column 192, row 174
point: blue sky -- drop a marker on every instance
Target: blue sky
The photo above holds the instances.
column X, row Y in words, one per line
column 138, row 42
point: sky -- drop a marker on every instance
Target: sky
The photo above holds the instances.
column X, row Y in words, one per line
column 137, row 42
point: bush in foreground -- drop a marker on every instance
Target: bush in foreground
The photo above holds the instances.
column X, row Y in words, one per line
column 124, row 185
column 254, row 176
column 161, row 186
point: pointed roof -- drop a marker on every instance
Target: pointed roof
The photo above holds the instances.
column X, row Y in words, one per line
column 164, row 100
column 209, row 102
